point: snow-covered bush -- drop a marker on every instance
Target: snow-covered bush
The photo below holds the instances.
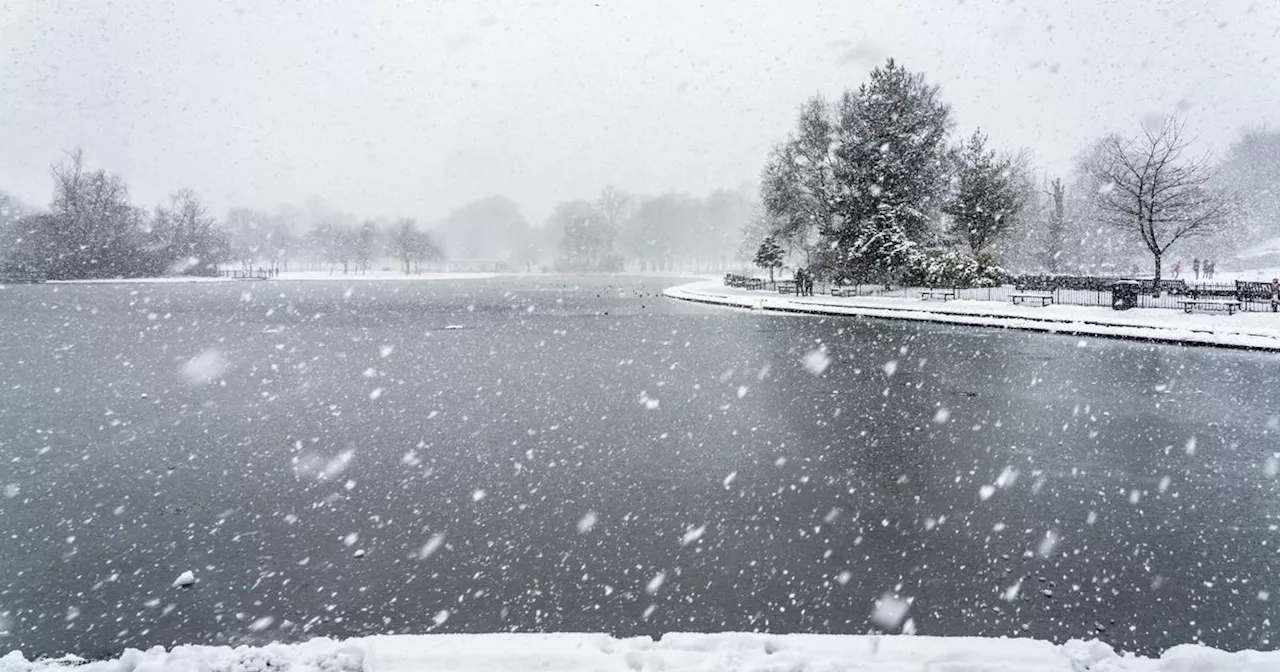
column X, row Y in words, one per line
column 947, row 267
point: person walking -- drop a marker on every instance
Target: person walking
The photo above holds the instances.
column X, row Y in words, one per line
column 1208, row 269
column 808, row 282
column 1195, row 266
column 1177, row 268
column 799, row 280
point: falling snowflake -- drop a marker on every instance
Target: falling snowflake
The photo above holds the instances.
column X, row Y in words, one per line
column 816, row 361
column 433, row 544
column 692, row 534
column 204, row 368
column 262, row 624
column 890, row 611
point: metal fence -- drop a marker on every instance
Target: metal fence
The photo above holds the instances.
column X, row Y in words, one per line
column 1068, row 297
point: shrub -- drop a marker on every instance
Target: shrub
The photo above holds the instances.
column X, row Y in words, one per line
column 946, row 267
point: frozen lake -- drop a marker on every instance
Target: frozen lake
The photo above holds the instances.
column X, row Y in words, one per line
column 578, row 454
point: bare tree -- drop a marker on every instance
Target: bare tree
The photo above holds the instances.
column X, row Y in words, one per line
column 185, row 238
column 614, row 204
column 362, row 243
column 1055, row 227
column 411, row 246
column 1153, row 188
column 92, row 230
column 403, row 240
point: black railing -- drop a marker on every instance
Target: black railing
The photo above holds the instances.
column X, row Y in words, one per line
column 1066, row 290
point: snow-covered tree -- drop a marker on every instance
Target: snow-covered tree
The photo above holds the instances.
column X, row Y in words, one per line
column 769, row 255
column 90, row 231
column 586, row 237
column 1252, row 168
column 411, row 246
column 184, row 238
column 1055, row 228
column 890, row 164
column 985, row 201
column 362, row 242
column 798, row 187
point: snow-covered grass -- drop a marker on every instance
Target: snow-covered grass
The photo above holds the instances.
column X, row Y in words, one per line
column 1228, row 277
column 738, row 652
column 1260, row 330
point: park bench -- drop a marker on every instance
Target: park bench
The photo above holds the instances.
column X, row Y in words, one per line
column 786, row 286
column 840, row 290
column 1041, row 298
column 1258, row 292
column 944, row 294
column 743, row 281
column 1231, row 305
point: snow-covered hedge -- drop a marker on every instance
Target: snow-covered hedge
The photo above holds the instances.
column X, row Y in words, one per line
column 947, row 267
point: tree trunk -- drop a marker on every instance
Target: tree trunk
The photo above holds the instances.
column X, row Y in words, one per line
column 1155, row 289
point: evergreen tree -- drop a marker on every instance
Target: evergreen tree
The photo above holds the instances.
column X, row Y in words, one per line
column 985, row 201
column 769, row 255
column 890, row 165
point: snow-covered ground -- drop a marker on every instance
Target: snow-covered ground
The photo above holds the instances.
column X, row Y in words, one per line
column 1255, row 275
column 1259, row 330
column 737, row 652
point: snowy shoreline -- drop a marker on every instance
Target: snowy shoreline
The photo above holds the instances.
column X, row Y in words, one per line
column 293, row 275
column 1252, row 331
column 686, row 652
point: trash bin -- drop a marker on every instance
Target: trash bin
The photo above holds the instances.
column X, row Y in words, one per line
column 1124, row 295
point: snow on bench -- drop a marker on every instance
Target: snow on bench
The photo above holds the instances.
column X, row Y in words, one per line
column 1229, row 305
column 1043, row 298
column 944, row 294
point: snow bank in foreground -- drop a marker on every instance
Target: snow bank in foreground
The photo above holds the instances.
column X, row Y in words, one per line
column 673, row 652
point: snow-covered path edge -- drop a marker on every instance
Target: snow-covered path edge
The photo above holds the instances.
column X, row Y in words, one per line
column 1195, row 329
column 740, row 652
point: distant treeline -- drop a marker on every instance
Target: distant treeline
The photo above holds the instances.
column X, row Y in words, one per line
column 91, row 229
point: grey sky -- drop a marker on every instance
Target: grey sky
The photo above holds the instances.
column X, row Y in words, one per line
column 413, row 108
